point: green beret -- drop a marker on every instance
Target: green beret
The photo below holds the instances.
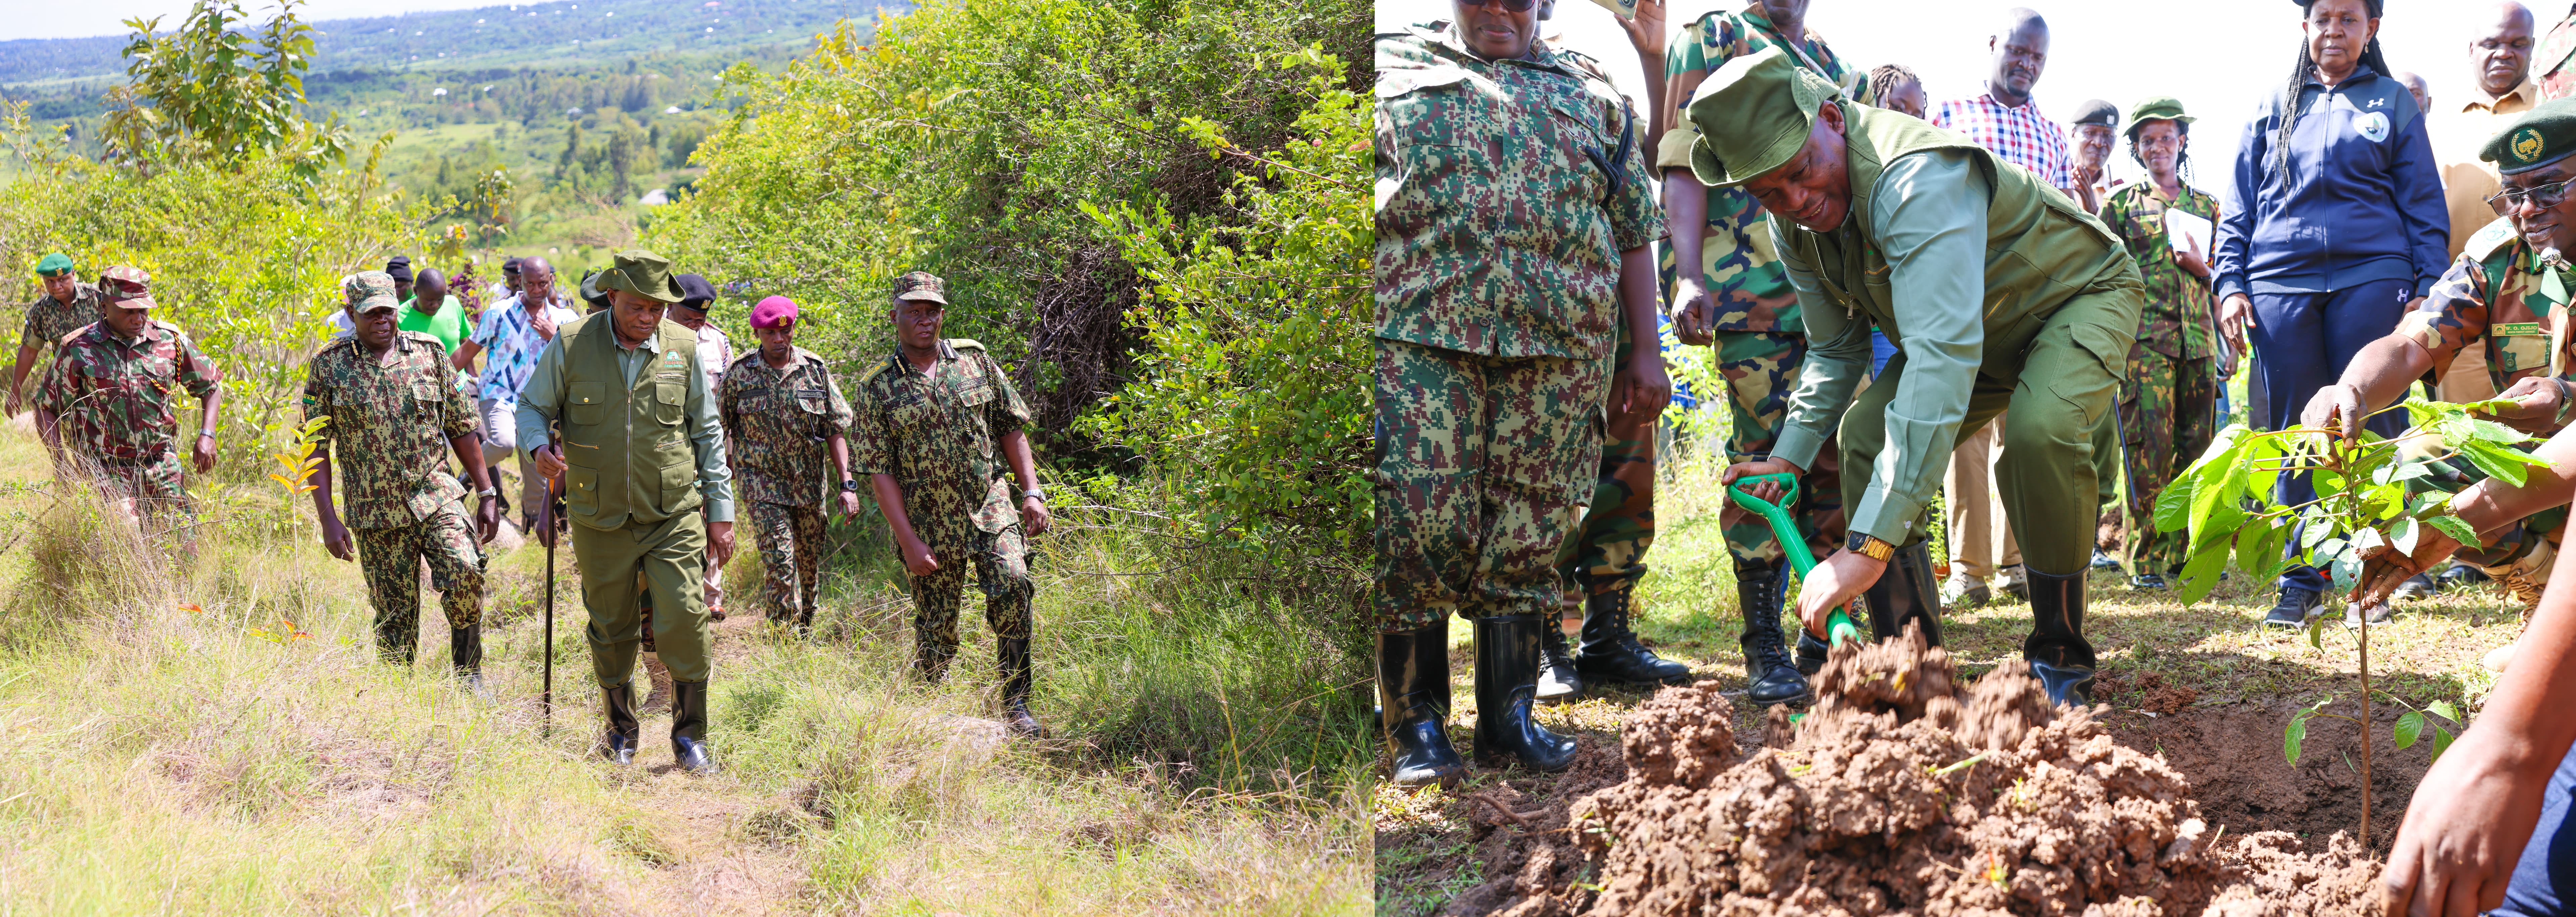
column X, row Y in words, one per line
column 55, row 263
column 2156, row 108
column 1754, row 115
column 2543, row 135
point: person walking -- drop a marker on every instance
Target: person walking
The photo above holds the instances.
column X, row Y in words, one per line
column 787, row 433
column 391, row 410
column 639, row 453
column 107, row 407
column 67, row 306
column 940, row 433
column 512, row 335
column 431, row 310
column 2341, row 232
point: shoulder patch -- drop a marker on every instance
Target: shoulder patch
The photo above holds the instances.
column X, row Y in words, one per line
column 965, row 343
column 2489, row 239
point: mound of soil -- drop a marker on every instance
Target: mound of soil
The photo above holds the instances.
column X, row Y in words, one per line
column 1904, row 791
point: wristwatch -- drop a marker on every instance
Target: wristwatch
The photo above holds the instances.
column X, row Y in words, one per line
column 1870, row 547
column 850, row 485
column 1033, row 494
column 487, row 494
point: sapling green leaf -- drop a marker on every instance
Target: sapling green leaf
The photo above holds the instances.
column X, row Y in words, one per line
column 2409, row 728
column 2442, row 739
column 2443, row 709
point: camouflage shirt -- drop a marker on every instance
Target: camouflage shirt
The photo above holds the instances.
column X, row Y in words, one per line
column 1747, row 288
column 389, row 426
column 49, row 321
column 778, row 424
column 2176, row 321
column 1505, row 192
column 117, row 399
column 939, row 434
column 2553, row 60
column 2495, row 290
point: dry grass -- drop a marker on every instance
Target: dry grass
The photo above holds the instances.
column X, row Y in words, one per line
column 169, row 759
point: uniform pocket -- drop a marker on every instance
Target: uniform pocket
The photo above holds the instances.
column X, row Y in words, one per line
column 668, row 399
column 581, row 491
column 426, row 400
column 586, row 404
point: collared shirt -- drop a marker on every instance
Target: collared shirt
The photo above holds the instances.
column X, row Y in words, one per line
column 546, row 387
column 448, row 324
column 49, row 320
column 1506, row 191
column 939, row 434
column 117, row 399
column 2495, row 293
column 2176, row 320
column 511, row 345
column 715, row 354
column 2467, row 181
column 2018, row 134
column 389, row 422
column 1745, row 283
column 779, row 422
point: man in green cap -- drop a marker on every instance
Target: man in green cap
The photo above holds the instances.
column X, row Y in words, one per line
column 67, row 306
column 640, row 452
column 110, row 399
column 2507, row 294
column 1999, row 291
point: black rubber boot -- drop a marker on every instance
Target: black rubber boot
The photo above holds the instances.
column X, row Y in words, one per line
column 465, row 648
column 1413, row 706
column 1017, row 679
column 1774, row 679
column 689, row 727
column 1557, row 680
column 1611, row 652
column 2059, row 655
column 1506, row 689
column 1905, row 592
column 624, row 733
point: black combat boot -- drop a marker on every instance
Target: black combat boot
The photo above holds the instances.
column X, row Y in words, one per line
column 624, row 733
column 1811, row 652
column 1017, row 679
column 1413, row 706
column 1557, row 680
column 465, row 647
column 1905, row 592
column 1506, row 689
column 689, row 727
column 1774, row 679
column 2059, row 655
column 1611, row 652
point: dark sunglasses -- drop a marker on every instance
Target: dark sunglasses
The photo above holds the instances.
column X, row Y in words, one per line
column 2545, row 196
column 1517, row 6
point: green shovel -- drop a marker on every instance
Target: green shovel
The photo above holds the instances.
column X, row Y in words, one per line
column 1786, row 529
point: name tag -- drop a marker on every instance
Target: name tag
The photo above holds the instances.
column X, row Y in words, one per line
column 2519, row 330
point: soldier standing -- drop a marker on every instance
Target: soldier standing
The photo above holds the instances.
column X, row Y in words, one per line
column 784, row 418
column 639, row 453
column 393, row 407
column 935, row 426
column 67, row 306
column 108, row 398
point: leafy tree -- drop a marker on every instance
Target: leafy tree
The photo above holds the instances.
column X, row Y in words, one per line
column 211, row 91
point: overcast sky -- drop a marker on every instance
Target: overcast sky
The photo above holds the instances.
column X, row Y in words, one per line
column 45, row 19
column 2218, row 56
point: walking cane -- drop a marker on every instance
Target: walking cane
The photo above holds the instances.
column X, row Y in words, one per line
column 546, row 530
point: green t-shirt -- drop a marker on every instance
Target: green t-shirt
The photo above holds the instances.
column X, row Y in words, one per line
column 448, row 326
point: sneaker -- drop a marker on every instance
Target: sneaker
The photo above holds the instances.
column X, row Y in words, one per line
column 2418, row 586
column 2016, row 582
column 1964, row 591
column 2379, row 614
column 2460, row 575
column 2295, row 608
column 2102, row 560
column 2147, row 582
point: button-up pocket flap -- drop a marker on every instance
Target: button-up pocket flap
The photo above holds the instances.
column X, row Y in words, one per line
column 671, row 392
column 588, row 393
column 1394, row 83
column 426, row 391
column 581, row 490
column 586, row 404
column 977, row 395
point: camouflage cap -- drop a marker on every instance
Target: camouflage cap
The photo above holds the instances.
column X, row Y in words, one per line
column 1754, row 115
column 2543, row 135
column 642, row 273
column 368, row 291
column 127, row 287
column 923, row 286
column 54, row 263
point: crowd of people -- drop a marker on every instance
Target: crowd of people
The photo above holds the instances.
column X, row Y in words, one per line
column 636, row 430
column 1885, row 280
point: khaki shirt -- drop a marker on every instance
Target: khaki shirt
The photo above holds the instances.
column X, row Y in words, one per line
column 2467, row 182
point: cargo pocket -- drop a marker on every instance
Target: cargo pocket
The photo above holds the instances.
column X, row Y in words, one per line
column 2093, row 392
column 668, row 397
column 581, row 491
column 677, row 481
column 426, row 400
column 586, row 405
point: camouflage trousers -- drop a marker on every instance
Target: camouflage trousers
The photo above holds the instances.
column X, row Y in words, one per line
column 2528, row 544
column 2168, row 414
column 791, row 554
column 1486, row 466
column 1001, row 562
column 1761, row 370
column 1608, row 553
column 156, row 486
column 391, row 559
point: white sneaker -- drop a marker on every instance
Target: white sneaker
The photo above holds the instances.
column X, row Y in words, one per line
column 2016, row 582
column 1962, row 590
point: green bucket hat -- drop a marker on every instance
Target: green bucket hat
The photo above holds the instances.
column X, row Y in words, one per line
column 642, row 273
column 2156, row 108
column 1753, row 115
column 54, row 263
column 2543, row 135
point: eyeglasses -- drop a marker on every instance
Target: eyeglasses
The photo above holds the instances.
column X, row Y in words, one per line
column 1517, row 6
column 2544, row 197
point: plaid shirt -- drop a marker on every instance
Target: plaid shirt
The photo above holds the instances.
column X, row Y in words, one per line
column 510, row 347
column 2021, row 136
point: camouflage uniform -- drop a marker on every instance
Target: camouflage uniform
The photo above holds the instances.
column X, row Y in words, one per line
column 49, row 321
column 1495, row 333
column 777, row 424
column 387, row 437
column 2169, row 407
column 1761, row 338
column 939, row 434
column 114, row 402
column 2553, row 60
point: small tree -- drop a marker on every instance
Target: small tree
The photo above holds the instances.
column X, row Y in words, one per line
column 212, row 91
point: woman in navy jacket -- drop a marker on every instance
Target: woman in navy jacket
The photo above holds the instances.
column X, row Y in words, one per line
column 2338, row 229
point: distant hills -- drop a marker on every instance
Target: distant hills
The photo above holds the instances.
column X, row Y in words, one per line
column 570, row 33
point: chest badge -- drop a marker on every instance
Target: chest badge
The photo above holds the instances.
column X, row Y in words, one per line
column 2371, row 125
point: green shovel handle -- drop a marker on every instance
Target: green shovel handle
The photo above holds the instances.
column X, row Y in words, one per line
column 1785, row 530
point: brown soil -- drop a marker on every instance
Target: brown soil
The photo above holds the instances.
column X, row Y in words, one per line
column 1903, row 791
column 2231, row 754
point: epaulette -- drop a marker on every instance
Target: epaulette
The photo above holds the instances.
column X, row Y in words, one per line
column 965, row 344
column 2490, row 239
column 874, row 370
column 76, row 333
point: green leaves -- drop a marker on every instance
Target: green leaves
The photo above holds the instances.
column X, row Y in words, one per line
column 2410, row 726
column 2296, row 734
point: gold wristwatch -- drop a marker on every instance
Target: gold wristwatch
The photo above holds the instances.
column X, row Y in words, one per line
column 1870, row 547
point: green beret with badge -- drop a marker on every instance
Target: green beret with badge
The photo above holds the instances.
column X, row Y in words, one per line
column 53, row 265
column 2543, row 135
column 1754, row 115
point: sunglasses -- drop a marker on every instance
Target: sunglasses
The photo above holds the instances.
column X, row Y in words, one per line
column 1517, row 6
column 2545, row 196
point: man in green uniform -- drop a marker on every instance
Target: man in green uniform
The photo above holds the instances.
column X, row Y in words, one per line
column 939, row 430
column 2507, row 294
column 2169, row 408
column 108, row 403
column 1999, row 291
column 787, row 431
column 640, row 451
column 392, row 407
column 1740, row 301
column 1514, row 221
column 67, row 306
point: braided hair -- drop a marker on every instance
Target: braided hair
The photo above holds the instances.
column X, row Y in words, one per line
column 1883, row 80
column 2299, row 76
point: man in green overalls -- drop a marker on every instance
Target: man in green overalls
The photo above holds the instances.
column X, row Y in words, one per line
column 641, row 453
column 1999, row 292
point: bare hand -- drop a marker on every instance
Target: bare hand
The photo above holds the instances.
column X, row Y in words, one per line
column 1646, row 32
column 1833, row 584
column 2383, row 569
column 2235, row 314
column 720, row 542
column 1034, row 519
column 1641, row 390
column 335, row 538
column 542, row 323
column 916, row 557
column 204, row 454
column 487, row 520
column 2536, row 403
column 850, row 504
column 2456, row 852
column 2192, row 258
column 15, row 401
column 2336, row 406
column 1694, row 320
column 1766, row 490
column 550, row 463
